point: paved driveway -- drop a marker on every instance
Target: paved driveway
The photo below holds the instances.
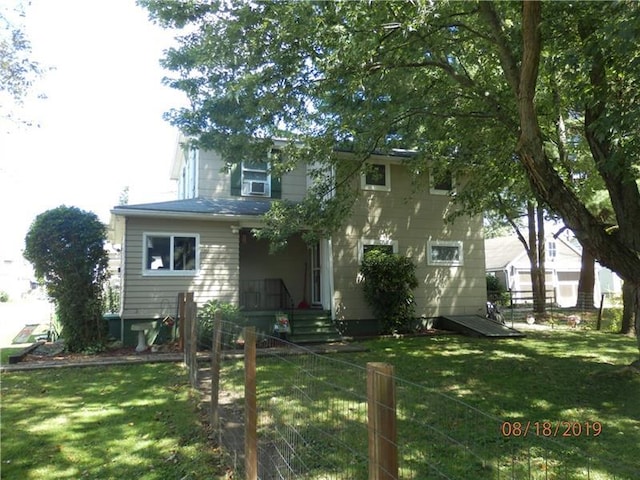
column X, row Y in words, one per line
column 15, row 315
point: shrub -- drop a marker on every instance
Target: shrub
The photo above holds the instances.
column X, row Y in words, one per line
column 389, row 281
column 496, row 292
column 66, row 247
column 4, row 297
column 112, row 303
column 234, row 323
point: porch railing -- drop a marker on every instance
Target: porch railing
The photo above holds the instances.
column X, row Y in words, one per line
column 265, row 294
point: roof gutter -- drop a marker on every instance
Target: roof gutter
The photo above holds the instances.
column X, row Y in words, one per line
column 222, row 217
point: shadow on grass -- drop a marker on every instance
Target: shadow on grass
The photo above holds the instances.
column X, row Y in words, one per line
column 96, row 422
column 453, row 394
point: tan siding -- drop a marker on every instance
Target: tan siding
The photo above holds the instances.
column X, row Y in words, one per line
column 294, row 184
column 156, row 296
column 215, row 183
column 212, row 181
column 411, row 221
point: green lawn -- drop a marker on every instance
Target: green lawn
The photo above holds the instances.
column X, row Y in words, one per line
column 5, row 353
column 137, row 422
column 450, row 389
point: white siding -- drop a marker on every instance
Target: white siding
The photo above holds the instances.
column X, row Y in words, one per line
column 156, row 296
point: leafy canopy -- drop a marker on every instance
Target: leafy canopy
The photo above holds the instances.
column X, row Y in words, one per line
column 520, row 99
column 17, row 70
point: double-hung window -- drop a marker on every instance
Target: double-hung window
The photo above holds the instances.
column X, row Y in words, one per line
column 256, row 180
column 171, row 254
column 441, row 252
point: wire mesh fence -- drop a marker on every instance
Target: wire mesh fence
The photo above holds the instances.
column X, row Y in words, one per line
column 288, row 412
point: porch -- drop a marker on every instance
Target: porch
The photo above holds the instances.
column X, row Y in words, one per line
column 291, row 281
column 307, row 326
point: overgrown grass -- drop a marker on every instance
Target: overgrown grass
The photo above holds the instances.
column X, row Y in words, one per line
column 137, row 421
column 452, row 393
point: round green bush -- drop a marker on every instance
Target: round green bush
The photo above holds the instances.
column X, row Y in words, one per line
column 233, row 323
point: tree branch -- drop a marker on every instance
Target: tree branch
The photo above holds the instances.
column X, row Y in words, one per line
column 507, row 58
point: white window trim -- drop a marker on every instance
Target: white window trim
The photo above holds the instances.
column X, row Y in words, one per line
column 169, row 273
column 244, row 193
column 437, row 191
column 445, row 243
column 387, row 178
column 375, row 241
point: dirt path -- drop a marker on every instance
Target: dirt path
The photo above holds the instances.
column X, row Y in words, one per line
column 230, row 435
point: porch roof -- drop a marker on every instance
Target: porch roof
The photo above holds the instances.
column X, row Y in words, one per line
column 218, row 208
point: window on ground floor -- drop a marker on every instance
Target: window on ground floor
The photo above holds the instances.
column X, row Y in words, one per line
column 441, row 252
column 384, row 245
column 166, row 254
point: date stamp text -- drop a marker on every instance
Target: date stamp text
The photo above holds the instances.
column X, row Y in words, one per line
column 563, row 428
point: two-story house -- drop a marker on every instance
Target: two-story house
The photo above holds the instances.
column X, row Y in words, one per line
column 203, row 242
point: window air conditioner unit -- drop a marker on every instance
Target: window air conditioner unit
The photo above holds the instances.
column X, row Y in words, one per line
column 257, row 188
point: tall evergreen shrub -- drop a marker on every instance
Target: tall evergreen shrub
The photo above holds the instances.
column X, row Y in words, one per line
column 66, row 247
column 389, row 281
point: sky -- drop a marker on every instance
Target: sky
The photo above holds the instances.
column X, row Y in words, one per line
column 100, row 128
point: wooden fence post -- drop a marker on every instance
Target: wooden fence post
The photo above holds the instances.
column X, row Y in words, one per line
column 191, row 312
column 216, row 355
column 181, row 321
column 186, row 330
column 599, row 321
column 381, row 408
column 250, row 405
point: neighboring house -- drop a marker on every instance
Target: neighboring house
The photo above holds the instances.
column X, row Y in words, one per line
column 506, row 258
column 203, row 242
column 16, row 277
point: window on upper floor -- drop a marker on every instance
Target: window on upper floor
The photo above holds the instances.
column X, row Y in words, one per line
column 552, row 250
column 441, row 183
column 171, row 254
column 253, row 179
column 444, row 252
column 377, row 176
column 256, row 180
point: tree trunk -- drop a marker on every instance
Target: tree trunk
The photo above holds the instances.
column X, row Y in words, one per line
column 614, row 251
column 586, row 282
column 539, row 245
column 629, row 294
column 638, row 316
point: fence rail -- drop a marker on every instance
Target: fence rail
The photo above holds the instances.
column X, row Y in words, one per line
column 284, row 412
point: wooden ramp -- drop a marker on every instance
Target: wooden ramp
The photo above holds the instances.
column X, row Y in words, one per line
column 476, row 326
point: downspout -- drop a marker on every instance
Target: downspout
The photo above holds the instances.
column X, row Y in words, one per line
column 123, row 271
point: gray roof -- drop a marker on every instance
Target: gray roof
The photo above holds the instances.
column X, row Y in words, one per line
column 499, row 252
column 199, row 206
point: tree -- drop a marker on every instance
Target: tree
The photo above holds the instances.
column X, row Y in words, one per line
column 17, row 70
column 66, row 247
column 475, row 88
